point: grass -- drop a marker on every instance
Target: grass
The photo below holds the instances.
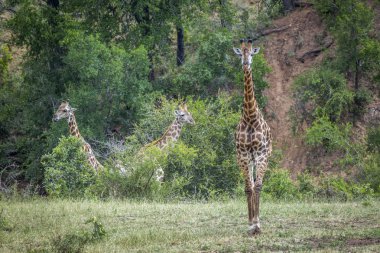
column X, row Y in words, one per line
column 59, row 226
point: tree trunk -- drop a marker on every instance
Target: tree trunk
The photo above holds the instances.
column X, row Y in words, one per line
column 288, row 5
column 144, row 20
column 223, row 21
column 53, row 3
column 180, row 46
column 357, row 73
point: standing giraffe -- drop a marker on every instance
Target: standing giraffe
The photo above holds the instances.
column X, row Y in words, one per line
column 253, row 140
column 182, row 116
column 66, row 111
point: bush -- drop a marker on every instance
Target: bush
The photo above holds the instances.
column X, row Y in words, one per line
column 75, row 243
column 371, row 171
column 325, row 133
column 373, row 140
column 306, row 185
column 338, row 188
column 201, row 163
column 321, row 92
column 67, row 171
column 278, row 185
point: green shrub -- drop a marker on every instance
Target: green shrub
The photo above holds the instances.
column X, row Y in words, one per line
column 67, row 171
column 201, row 163
column 278, row 185
column 75, row 242
column 325, row 133
column 371, row 171
column 5, row 58
column 338, row 188
column 4, row 223
column 131, row 176
column 306, row 185
column 362, row 98
column 373, row 140
column 321, row 92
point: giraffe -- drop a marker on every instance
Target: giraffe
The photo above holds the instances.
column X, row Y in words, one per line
column 253, row 140
column 171, row 135
column 66, row 111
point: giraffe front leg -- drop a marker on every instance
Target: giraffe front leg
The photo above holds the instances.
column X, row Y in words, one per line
column 243, row 164
column 255, row 228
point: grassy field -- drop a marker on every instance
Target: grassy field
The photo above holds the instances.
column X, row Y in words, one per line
column 59, row 226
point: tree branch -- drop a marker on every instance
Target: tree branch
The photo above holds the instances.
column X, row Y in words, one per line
column 315, row 52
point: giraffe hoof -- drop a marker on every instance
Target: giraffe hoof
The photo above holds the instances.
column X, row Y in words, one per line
column 254, row 231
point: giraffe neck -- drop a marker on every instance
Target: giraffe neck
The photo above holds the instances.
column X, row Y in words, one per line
column 73, row 126
column 171, row 135
column 74, row 131
column 250, row 105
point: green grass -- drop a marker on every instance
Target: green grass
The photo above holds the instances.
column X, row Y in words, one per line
column 59, row 225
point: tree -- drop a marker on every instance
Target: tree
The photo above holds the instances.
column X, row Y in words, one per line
column 288, row 4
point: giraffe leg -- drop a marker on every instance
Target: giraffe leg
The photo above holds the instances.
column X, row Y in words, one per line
column 249, row 193
column 255, row 228
column 243, row 164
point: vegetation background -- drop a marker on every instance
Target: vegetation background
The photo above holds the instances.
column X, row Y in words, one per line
column 127, row 65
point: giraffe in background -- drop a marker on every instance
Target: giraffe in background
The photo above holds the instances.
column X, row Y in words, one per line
column 171, row 135
column 253, row 140
column 66, row 111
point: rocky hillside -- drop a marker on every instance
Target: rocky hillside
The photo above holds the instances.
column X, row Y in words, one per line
column 301, row 45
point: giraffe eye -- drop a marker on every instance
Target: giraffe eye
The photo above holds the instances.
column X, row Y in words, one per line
column 64, row 110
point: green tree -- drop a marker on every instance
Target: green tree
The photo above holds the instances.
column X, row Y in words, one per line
column 352, row 23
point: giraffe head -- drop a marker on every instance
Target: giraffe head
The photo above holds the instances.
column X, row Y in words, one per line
column 246, row 53
column 64, row 111
column 183, row 115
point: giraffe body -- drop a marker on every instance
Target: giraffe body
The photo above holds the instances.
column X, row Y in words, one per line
column 253, row 141
column 66, row 111
column 172, row 134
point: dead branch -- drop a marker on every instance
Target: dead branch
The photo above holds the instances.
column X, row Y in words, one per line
column 302, row 4
column 315, row 52
column 274, row 30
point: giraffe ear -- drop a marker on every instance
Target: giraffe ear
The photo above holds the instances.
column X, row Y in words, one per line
column 255, row 50
column 237, row 51
column 73, row 109
column 176, row 113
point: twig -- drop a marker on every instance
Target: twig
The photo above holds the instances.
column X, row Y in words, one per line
column 303, row 4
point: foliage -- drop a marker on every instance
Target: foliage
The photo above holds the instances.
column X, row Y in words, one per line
column 107, row 81
column 5, row 58
column 278, row 185
column 371, row 172
column 373, row 139
column 98, row 231
column 352, row 24
column 75, row 242
column 370, row 52
column 327, row 134
column 319, row 92
column 4, row 223
column 338, row 188
column 67, row 171
column 187, row 172
column 306, row 184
